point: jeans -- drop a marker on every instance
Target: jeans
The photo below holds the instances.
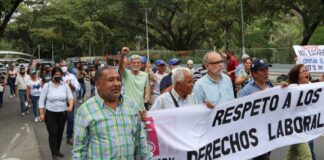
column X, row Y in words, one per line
column 93, row 88
column 1, row 98
column 311, row 146
column 82, row 91
column 11, row 82
column 70, row 121
column 22, row 97
column 55, row 122
column 34, row 103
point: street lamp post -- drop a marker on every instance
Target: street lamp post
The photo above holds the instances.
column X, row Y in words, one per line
column 52, row 52
column 38, row 51
column 147, row 39
column 242, row 28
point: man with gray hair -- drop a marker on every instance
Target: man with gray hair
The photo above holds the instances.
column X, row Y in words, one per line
column 214, row 87
column 136, row 82
column 74, row 85
column 181, row 93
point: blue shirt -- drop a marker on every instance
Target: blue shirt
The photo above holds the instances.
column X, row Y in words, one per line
column 215, row 92
column 251, row 88
column 238, row 68
column 165, row 82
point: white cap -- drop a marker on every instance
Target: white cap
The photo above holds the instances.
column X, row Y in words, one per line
column 189, row 61
column 245, row 56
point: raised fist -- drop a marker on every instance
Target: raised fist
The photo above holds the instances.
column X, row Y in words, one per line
column 125, row 50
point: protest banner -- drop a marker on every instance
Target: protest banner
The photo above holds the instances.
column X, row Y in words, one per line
column 311, row 56
column 241, row 129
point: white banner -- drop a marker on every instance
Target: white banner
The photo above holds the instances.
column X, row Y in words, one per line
column 311, row 56
column 240, row 129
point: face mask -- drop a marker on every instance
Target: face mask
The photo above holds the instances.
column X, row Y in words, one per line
column 64, row 69
column 57, row 79
column 22, row 73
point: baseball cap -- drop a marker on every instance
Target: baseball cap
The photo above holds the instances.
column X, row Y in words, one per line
column 33, row 71
column 259, row 64
column 159, row 62
column 174, row 61
column 189, row 61
column 143, row 59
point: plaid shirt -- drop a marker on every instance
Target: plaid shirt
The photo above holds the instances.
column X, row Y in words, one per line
column 103, row 133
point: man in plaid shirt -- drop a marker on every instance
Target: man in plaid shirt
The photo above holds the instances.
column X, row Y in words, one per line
column 107, row 125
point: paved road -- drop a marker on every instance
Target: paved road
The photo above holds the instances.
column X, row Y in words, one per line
column 23, row 139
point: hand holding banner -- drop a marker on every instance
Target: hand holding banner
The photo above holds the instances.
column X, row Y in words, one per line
column 243, row 128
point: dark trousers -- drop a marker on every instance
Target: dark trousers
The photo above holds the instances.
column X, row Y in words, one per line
column 70, row 122
column 93, row 88
column 34, row 100
column 311, row 146
column 55, row 122
column 1, row 98
column 82, row 91
column 11, row 81
column 22, row 97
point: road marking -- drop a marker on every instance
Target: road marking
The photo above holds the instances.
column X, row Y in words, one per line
column 27, row 127
column 10, row 145
column 14, row 139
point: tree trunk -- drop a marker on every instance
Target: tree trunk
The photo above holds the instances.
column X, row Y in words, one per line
column 9, row 15
column 308, row 32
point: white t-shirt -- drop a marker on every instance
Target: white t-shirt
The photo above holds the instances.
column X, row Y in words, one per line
column 35, row 87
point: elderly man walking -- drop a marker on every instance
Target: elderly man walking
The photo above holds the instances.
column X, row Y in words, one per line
column 136, row 82
column 108, row 125
column 21, row 86
column 71, row 80
column 214, row 87
column 181, row 94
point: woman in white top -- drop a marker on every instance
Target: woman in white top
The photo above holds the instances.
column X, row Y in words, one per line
column 53, row 108
column 34, row 87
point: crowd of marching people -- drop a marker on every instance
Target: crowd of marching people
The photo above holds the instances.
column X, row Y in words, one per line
column 109, row 125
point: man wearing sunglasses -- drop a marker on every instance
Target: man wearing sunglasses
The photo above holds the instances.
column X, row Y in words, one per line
column 215, row 87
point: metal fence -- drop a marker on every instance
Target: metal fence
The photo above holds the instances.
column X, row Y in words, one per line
column 271, row 55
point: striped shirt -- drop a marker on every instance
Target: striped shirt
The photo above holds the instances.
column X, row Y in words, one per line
column 200, row 72
column 104, row 133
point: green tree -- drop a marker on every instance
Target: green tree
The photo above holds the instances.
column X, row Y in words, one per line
column 311, row 12
column 7, row 9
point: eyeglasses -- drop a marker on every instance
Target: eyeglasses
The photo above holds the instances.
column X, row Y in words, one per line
column 303, row 71
column 216, row 62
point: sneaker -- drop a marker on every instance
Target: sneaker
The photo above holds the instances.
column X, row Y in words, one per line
column 80, row 101
column 11, row 96
column 36, row 119
column 27, row 111
column 23, row 114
